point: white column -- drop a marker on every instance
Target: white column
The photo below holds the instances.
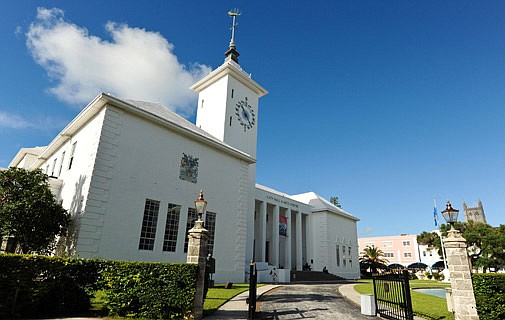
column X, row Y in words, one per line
column 263, row 231
column 299, row 243
column 275, row 237
column 287, row 247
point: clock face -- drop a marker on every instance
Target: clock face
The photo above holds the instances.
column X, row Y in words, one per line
column 245, row 114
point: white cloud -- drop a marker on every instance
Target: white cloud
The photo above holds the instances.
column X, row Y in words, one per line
column 136, row 64
column 12, row 121
column 368, row 230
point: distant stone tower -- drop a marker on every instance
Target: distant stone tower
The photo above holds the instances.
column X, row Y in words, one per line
column 474, row 214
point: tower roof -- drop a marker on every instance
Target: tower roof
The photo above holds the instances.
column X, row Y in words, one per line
column 232, row 53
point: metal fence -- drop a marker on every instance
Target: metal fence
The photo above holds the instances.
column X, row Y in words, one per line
column 392, row 295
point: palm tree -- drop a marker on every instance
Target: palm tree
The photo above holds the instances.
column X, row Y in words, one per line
column 373, row 258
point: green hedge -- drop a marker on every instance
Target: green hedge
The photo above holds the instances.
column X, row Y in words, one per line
column 149, row 290
column 489, row 291
column 48, row 286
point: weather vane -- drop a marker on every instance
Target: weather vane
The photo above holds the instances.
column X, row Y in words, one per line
column 234, row 13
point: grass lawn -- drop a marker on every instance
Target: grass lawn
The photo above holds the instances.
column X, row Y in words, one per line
column 424, row 305
column 218, row 295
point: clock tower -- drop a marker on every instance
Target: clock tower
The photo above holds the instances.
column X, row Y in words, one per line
column 228, row 102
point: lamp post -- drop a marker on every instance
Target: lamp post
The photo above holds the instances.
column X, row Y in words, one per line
column 450, row 215
column 200, row 205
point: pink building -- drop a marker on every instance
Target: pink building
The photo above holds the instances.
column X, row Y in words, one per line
column 402, row 249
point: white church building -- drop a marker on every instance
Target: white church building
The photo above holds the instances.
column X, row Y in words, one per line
column 129, row 172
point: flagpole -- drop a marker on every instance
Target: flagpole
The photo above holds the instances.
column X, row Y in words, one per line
column 439, row 233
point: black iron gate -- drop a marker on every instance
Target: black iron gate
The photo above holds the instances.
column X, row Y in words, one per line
column 392, row 295
column 253, row 279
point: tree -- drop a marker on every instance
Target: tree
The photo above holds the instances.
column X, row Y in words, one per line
column 29, row 211
column 486, row 244
column 334, row 201
column 430, row 239
column 373, row 258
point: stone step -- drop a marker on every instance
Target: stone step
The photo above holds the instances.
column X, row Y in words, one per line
column 307, row 276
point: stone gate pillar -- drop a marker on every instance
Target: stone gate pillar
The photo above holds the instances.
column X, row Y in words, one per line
column 197, row 254
column 461, row 277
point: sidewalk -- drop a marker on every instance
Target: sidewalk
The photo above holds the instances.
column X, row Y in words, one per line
column 237, row 308
column 347, row 291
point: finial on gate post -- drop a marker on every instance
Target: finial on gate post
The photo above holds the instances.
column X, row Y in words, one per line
column 232, row 52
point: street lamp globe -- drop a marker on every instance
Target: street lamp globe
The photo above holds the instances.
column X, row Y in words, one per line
column 200, row 205
column 450, row 215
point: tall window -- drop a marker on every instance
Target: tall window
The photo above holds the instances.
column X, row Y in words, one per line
column 337, row 255
column 149, row 223
column 192, row 217
column 350, row 257
column 61, row 163
column 54, row 166
column 343, row 256
column 210, row 225
column 72, row 153
column 171, row 227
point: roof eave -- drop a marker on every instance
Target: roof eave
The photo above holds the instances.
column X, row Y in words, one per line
column 229, row 68
column 103, row 99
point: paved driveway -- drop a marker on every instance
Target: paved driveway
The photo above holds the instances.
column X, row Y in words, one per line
column 307, row 301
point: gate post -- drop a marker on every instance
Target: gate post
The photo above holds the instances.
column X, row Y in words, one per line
column 197, row 254
column 464, row 304
column 252, row 291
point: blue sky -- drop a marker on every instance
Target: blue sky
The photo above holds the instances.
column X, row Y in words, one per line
column 385, row 104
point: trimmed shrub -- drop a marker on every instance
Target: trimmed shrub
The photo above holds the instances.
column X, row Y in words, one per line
column 45, row 286
column 489, row 291
column 33, row 285
column 149, row 290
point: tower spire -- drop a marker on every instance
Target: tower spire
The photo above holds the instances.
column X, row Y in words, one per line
column 232, row 53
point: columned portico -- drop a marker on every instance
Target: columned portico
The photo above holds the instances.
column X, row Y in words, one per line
column 284, row 250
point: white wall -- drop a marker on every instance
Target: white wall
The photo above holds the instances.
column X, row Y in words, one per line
column 145, row 163
column 329, row 230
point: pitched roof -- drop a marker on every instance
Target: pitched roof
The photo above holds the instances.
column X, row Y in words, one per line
column 321, row 204
column 154, row 112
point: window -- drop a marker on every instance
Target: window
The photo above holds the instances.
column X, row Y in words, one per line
column 343, row 256
column 389, row 255
column 387, row 244
column 424, row 253
column 350, row 257
column 53, row 167
column 407, row 254
column 337, row 254
column 192, row 217
column 369, row 244
column 232, row 93
column 61, row 163
column 171, row 227
column 210, row 225
column 72, row 153
column 148, row 231
column 406, row 243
